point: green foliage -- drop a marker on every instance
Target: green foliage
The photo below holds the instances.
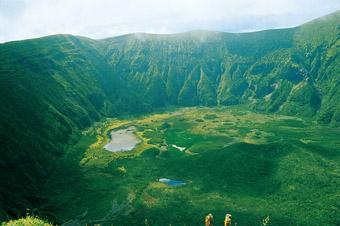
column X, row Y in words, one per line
column 210, row 116
column 151, row 152
column 165, row 125
column 206, row 92
column 304, row 100
column 27, row 221
column 50, row 88
column 188, row 93
column 254, row 166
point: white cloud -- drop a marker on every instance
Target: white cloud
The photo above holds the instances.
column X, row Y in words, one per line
column 20, row 19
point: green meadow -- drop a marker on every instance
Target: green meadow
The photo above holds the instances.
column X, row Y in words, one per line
column 235, row 161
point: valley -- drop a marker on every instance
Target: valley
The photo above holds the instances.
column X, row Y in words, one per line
column 160, row 129
column 250, row 164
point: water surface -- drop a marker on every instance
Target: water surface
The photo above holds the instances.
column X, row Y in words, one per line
column 122, row 140
column 172, row 183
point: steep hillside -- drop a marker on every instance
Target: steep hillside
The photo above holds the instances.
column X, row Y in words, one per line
column 52, row 87
column 193, row 67
column 293, row 71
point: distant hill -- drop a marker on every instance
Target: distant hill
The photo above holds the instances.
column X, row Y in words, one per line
column 52, row 87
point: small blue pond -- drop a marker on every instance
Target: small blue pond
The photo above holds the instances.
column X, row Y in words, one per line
column 172, row 183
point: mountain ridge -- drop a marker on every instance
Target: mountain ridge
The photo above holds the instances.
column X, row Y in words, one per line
column 178, row 33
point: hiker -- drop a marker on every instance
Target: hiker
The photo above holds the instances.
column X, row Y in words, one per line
column 209, row 220
column 227, row 220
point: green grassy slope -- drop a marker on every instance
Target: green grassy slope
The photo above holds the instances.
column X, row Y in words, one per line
column 175, row 61
column 49, row 89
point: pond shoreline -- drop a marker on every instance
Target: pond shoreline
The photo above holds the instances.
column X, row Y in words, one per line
column 122, row 140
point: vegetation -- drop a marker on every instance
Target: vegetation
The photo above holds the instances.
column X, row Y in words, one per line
column 54, row 88
column 247, row 164
column 27, row 221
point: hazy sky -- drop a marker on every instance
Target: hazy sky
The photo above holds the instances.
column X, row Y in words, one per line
column 22, row 19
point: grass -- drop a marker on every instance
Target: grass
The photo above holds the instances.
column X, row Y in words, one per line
column 247, row 164
column 27, row 221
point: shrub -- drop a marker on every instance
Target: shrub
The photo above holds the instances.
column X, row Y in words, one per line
column 27, row 221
